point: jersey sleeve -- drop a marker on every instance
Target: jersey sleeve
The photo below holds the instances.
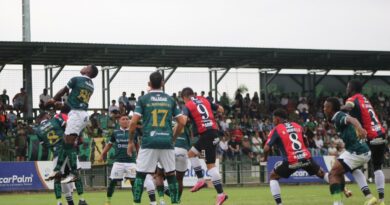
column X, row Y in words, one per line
column 340, row 120
column 272, row 137
column 71, row 83
column 139, row 108
column 60, row 120
column 186, row 111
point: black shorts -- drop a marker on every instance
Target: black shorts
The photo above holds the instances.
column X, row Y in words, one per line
column 208, row 142
column 377, row 153
column 283, row 169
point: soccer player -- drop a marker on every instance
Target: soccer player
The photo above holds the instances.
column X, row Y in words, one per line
column 356, row 152
column 157, row 110
column 124, row 165
column 288, row 138
column 200, row 111
column 182, row 145
column 360, row 108
column 81, row 89
column 50, row 132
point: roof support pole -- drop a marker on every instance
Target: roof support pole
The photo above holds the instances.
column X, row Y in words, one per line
column 214, row 82
column 49, row 78
column 171, row 71
column 104, row 90
column 210, row 80
column 215, row 85
column 106, row 83
column 27, row 84
column 322, row 77
column 169, row 74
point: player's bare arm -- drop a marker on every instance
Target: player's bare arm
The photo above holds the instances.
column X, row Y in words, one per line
column 362, row 133
column 347, row 107
column 105, row 151
column 266, row 152
column 220, row 109
column 181, row 122
column 133, row 126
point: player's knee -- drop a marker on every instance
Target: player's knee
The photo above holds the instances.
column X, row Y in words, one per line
column 274, row 176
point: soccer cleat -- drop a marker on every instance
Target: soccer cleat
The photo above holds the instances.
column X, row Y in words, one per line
column 53, row 175
column 199, row 185
column 69, row 179
column 221, row 198
column 370, row 201
column 347, row 192
column 82, row 202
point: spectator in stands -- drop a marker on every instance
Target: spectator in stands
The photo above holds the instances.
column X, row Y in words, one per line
column 122, row 109
column 202, row 93
column 234, row 148
column 21, row 142
column 254, row 109
column 20, row 101
column 303, row 105
column 103, row 121
column 222, row 149
column 246, row 147
column 257, row 146
column 320, row 144
column 4, row 99
column 11, row 120
column 304, row 115
column 43, row 98
column 132, row 101
column 113, row 106
column 224, row 125
column 256, row 98
column 224, row 102
column 210, row 97
column 124, row 100
column 3, row 125
column 332, row 150
column 381, row 99
column 284, row 100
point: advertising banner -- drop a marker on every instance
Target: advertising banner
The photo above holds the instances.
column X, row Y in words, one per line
column 301, row 176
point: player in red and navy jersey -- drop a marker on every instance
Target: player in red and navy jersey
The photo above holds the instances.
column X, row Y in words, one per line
column 360, row 108
column 288, row 138
column 200, row 111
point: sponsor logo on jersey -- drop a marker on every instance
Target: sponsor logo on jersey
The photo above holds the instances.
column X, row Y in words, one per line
column 159, row 99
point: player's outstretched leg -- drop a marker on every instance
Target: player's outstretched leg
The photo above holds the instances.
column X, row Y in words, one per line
column 138, row 187
column 173, row 186
column 380, row 185
column 58, row 190
column 195, row 164
column 150, row 188
column 110, row 191
column 216, row 179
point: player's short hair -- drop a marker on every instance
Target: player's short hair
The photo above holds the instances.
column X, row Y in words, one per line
column 94, row 72
column 156, row 80
column 41, row 115
column 356, row 85
column 335, row 103
column 124, row 115
column 280, row 113
column 187, row 92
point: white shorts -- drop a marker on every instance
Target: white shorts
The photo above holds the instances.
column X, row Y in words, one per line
column 77, row 121
column 66, row 162
column 181, row 159
column 148, row 158
column 122, row 170
column 354, row 161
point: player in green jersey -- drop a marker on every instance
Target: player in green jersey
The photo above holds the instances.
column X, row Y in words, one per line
column 124, row 165
column 81, row 89
column 157, row 110
column 356, row 152
column 50, row 132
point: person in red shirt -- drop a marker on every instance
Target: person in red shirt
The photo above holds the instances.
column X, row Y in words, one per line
column 200, row 111
column 288, row 138
column 360, row 108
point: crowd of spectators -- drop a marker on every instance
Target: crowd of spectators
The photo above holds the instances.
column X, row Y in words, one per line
column 244, row 127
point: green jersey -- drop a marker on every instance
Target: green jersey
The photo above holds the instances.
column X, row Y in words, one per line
column 120, row 139
column 157, row 110
column 50, row 133
column 184, row 140
column 348, row 134
column 81, row 91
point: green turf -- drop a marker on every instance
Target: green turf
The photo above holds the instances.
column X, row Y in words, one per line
column 292, row 195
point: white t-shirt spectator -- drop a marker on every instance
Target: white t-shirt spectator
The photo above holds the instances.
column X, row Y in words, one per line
column 284, row 101
column 224, row 126
column 319, row 143
column 112, row 108
column 44, row 98
column 302, row 105
column 223, row 145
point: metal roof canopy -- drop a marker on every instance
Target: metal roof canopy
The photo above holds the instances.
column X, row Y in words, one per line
column 45, row 53
column 115, row 56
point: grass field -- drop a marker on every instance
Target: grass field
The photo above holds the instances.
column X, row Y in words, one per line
column 291, row 195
